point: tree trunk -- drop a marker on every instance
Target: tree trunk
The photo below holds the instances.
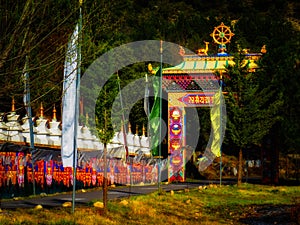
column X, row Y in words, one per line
column 240, row 169
column 105, row 178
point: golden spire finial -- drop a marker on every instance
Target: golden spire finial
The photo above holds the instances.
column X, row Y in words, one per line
column 144, row 130
column 54, row 113
column 13, row 104
column 41, row 111
column 129, row 128
column 263, row 49
column 137, row 129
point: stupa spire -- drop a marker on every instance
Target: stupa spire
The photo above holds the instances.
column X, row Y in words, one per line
column 129, row 128
column 41, row 111
column 144, row 130
column 13, row 104
column 54, row 113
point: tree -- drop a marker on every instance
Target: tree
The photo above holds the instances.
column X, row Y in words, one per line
column 40, row 31
column 252, row 107
column 281, row 63
column 104, row 126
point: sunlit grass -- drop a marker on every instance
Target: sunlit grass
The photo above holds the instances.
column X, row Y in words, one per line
column 211, row 205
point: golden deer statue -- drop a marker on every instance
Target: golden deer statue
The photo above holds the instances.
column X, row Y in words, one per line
column 203, row 51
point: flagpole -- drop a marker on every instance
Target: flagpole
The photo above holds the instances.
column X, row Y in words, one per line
column 221, row 83
column 123, row 118
column 146, row 104
column 77, row 105
column 160, row 116
column 28, row 108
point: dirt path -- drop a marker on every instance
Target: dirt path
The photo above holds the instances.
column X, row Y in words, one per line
column 270, row 214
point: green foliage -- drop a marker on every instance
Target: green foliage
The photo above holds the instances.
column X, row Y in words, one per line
column 281, row 70
column 252, row 107
column 104, row 126
column 41, row 30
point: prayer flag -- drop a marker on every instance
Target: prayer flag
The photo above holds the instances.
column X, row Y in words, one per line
column 216, row 124
column 154, row 117
column 69, row 100
column 146, row 98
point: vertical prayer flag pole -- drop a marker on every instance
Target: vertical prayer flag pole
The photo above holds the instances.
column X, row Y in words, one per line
column 160, row 115
column 123, row 119
column 29, row 114
column 77, row 105
column 146, row 103
column 221, row 83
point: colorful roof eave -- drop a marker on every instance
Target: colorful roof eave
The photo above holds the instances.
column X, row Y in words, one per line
column 207, row 64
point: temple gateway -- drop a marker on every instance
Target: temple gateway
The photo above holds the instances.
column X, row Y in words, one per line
column 192, row 83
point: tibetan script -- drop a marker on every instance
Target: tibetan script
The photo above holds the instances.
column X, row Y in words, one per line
column 197, row 99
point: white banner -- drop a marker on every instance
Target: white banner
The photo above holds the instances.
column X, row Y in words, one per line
column 68, row 145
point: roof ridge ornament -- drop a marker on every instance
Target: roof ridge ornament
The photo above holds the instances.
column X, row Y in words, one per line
column 222, row 36
column 203, row 51
column 181, row 51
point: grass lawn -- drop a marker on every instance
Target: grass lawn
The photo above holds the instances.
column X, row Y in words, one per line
column 248, row 204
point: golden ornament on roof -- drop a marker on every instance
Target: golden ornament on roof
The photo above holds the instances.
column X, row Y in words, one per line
column 150, row 67
column 222, row 34
column 263, row 49
column 203, row 51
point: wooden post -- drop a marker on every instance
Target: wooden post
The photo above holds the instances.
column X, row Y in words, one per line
column 105, row 166
column 240, row 169
column 105, row 177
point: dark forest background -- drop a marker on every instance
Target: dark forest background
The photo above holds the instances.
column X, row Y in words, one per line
column 40, row 30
